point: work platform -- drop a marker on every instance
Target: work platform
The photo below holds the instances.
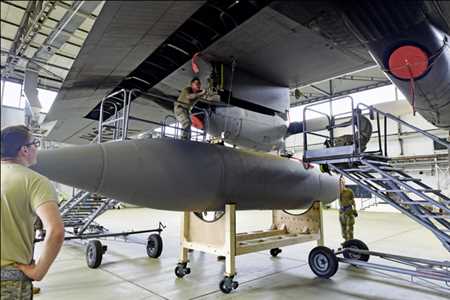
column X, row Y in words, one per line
column 371, row 171
column 219, row 237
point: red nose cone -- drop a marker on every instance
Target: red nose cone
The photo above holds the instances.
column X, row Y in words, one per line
column 408, row 62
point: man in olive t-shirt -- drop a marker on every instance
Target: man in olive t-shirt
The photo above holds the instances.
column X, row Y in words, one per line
column 25, row 194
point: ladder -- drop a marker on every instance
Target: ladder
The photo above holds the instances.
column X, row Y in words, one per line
column 82, row 209
column 372, row 171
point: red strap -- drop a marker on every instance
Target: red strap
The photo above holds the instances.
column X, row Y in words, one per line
column 412, row 89
column 195, row 67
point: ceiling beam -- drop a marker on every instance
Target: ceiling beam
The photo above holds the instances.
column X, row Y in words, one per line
column 36, row 47
column 49, row 18
column 320, row 90
column 42, row 33
column 35, row 14
column 23, row 27
column 89, row 16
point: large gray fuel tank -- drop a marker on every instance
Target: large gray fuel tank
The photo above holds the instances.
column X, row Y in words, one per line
column 182, row 175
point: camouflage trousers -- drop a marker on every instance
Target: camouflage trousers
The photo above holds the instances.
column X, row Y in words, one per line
column 347, row 139
column 16, row 290
column 15, row 285
column 184, row 118
column 347, row 221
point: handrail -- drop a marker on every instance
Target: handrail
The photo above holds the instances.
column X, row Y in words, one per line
column 392, row 117
column 100, row 119
column 331, row 120
column 123, row 118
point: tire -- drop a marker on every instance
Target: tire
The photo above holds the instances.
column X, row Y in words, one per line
column 356, row 244
column 94, row 254
column 179, row 272
column 227, row 284
column 154, row 246
column 275, row 251
column 323, row 262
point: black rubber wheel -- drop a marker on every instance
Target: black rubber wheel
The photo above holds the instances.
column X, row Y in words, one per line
column 94, row 254
column 355, row 244
column 275, row 251
column 227, row 284
column 323, row 262
column 181, row 270
column 224, row 287
column 235, row 285
column 154, row 246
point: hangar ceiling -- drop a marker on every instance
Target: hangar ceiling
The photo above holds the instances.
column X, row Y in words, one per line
column 27, row 27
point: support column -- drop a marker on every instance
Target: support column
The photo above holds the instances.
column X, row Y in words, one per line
column 230, row 239
column 183, row 237
column 321, row 240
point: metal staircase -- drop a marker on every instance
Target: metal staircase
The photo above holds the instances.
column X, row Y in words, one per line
column 82, row 209
column 425, row 205
column 372, row 171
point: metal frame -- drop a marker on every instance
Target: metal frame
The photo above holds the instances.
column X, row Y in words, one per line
column 372, row 172
column 199, row 137
column 421, row 268
column 80, row 215
column 331, row 125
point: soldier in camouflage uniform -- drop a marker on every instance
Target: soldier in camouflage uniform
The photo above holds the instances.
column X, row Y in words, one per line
column 184, row 104
column 365, row 132
column 347, row 212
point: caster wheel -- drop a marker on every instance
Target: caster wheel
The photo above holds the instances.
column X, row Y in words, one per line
column 181, row 270
column 94, row 253
column 275, row 251
column 154, row 246
column 227, row 284
column 323, row 262
column 355, row 244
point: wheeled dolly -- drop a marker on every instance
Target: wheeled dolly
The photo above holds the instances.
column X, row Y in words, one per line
column 324, row 262
column 95, row 249
column 218, row 237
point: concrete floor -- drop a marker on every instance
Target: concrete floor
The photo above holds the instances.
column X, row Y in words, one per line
column 127, row 273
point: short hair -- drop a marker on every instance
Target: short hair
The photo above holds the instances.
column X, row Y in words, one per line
column 195, row 79
column 12, row 139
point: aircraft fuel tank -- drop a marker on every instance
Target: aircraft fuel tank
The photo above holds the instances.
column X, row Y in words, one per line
column 182, row 175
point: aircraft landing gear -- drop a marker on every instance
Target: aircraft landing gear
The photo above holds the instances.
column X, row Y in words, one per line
column 181, row 270
column 227, row 284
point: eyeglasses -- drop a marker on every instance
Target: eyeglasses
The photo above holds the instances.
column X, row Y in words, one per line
column 35, row 142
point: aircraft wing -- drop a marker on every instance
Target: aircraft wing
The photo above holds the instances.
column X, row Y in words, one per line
column 280, row 42
column 124, row 34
